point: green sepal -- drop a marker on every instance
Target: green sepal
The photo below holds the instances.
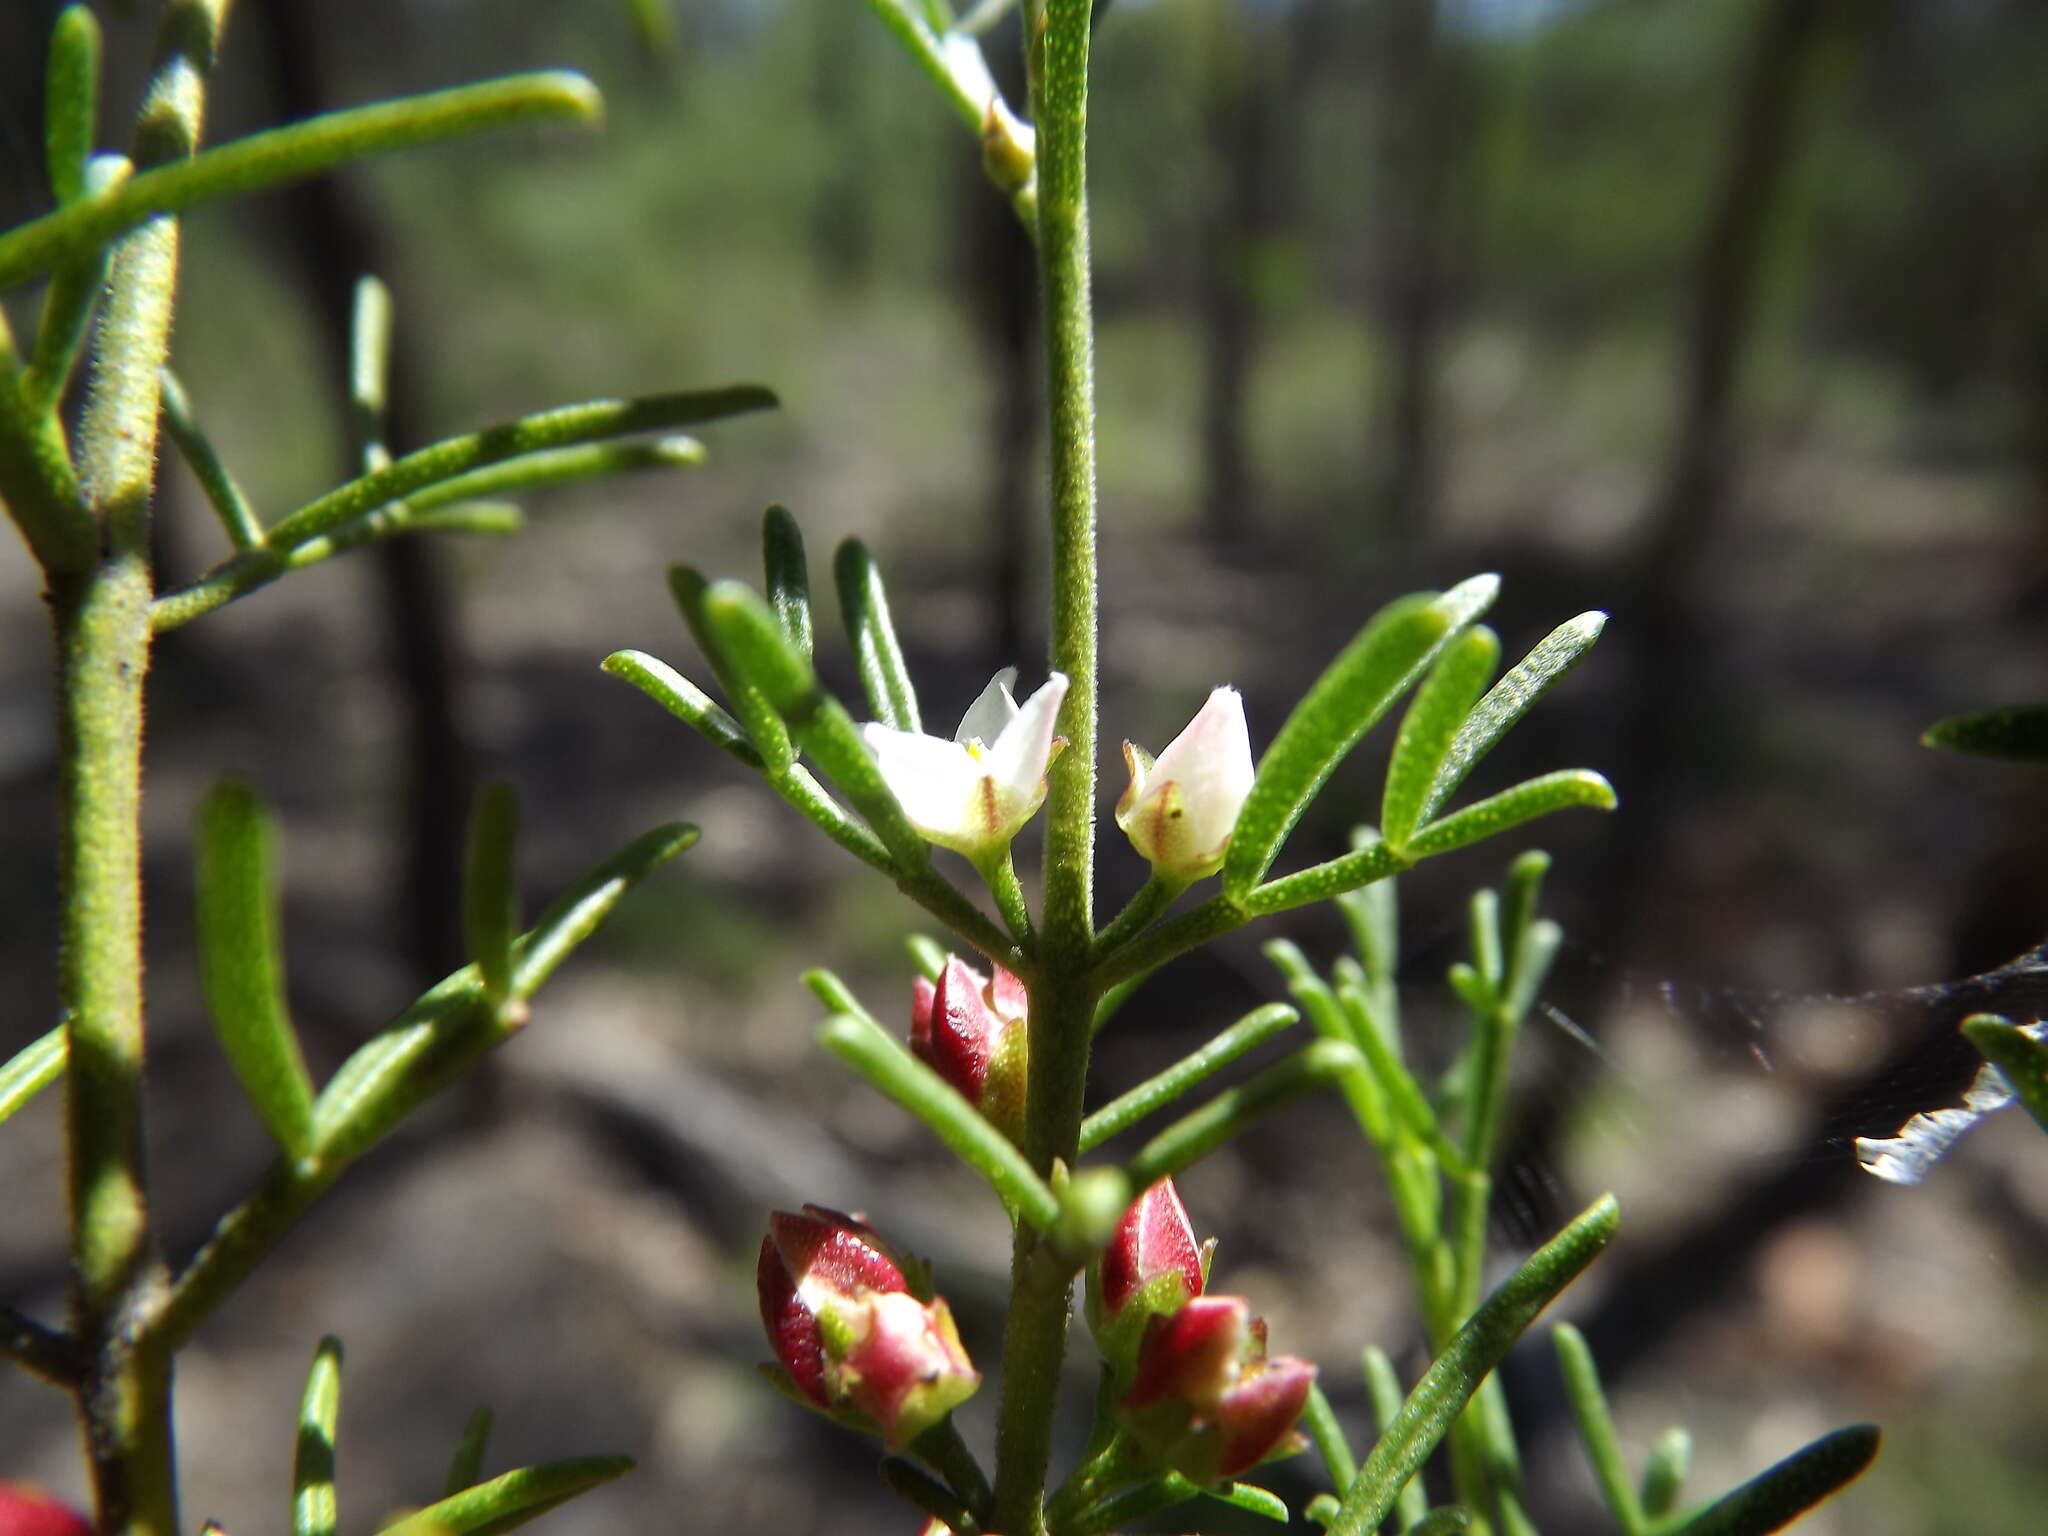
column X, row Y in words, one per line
column 1387, row 656
column 1466, row 1361
column 1118, row 1339
column 512, row 1499
column 1507, row 701
column 466, row 1466
column 314, row 1509
column 1434, row 715
column 739, row 664
column 32, row 1069
column 1773, row 1499
column 2021, row 1059
column 2017, row 733
column 1511, row 807
column 865, row 605
column 788, row 576
column 239, row 965
column 490, row 887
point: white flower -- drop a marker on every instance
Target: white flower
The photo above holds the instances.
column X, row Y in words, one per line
column 974, row 793
column 1180, row 810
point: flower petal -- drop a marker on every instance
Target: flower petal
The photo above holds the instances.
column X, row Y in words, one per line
column 993, row 710
column 1017, row 759
column 937, row 782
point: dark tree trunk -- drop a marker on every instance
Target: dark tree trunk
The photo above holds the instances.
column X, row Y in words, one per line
column 334, row 242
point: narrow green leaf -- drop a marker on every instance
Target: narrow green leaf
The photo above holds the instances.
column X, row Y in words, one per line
column 927, row 954
column 1477, row 1348
column 917, row 1487
column 71, row 101
column 1383, row 1389
column 1507, row 701
column 467, row 1465
column 2021, row 1059
column 1200, row 1132
column 563, row 427
column 288, row 153
column 1511, row 807
column 1664, row 1474
column 369, row 366
column 490, row 887
column 1321, row 882
column 30, row 1070
column 562, row 466
column 314, row 1508
column 741, row 620
column 1321, row 1510
column 1154, row 1094
column 1251, row 1499
column 1330, row 1020
column 1773, row 1499
column 435, row 1039
column 1397, row 1085
column 738, row 658
column 1387, row 656
column 1439, row 707
column 876, row 649
column 788, row 575
column 878, row 1056
column 1596, row 1427
column 239, row 965
column 512, row 1499
column 2016, row 732
column 244, row 528
column 685, row 700
column 1320, row 1420
column 1446, row 1521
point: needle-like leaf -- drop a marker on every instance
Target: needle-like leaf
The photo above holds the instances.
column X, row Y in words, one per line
column 244, row 528
column 1664, row 1473
column 239, row 965
column 1596, row 1427
column 467, row 1465
column 1387, row 656
column 1511, row 807
column 490, row 887
column 315, row 1511
column 512, row 1499
column 2017, row 732
column 1477, row 1348
column 891, row 697
column 1154, row 1094
column 1773, row 1499
column 286, row 154
column 1439, row 707
column 30, row 1070
column 2021, row 1059
column 739, row 666
column 788, row 575
column 71, row 101
column 1200, row 1132
column 685, row 700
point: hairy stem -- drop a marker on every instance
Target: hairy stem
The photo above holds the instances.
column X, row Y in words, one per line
column 1064, row 996
column 102, row 626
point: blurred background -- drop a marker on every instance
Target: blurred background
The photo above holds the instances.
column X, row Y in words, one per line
column 1729, row 317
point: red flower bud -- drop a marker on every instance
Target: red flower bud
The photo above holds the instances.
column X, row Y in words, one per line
column 849, row 1333
column 972, row 1032
column 1205, row 1400
column 1153, row 1266
column 25, row 1510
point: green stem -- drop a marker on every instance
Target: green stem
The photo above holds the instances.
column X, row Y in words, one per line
column 1001, row 878
column 103, row 649
column 1064, row 997
column 1153, row 898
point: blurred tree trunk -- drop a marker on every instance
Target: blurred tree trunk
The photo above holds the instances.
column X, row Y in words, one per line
column 999, row 286
column 1421, row 132
column 334, row 242
column 1238, row 110
column 842, row 214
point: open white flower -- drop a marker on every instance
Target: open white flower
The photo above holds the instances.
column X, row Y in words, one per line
column 1180, row 810
column 974, row 793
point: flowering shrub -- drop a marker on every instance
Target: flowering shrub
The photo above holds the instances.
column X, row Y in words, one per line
column 997, row 1064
